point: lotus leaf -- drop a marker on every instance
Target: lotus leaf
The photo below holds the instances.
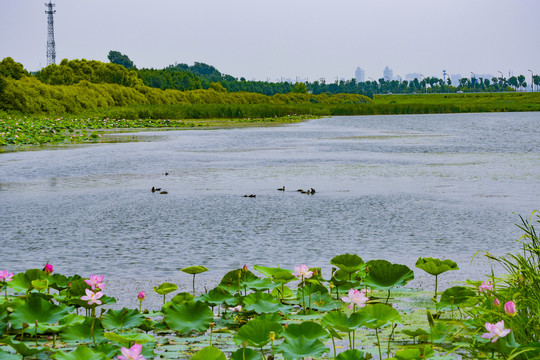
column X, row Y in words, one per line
column 415, row 353
column 256, row 332
column 284, row 293
column 246, row 354
column 264, row 303
column 435, row 266
column 218, row 296
column 22, row 348
column 308, row 329
column 300, row 347
column 340, row 321
column 324, row 302
column 82, row 332
column 127, row 339
column 66, row 321
column 350, row 263
column 454, row 297
column 122, row 319
column 180, row 298
column 40, row 284
column 209, row 353
column 23, row 281
column 165, row 288
column 384, row 275
column 279, row 275
column 36, row 309
column 352, row 354
column 194, row 269
column 8, row 356
column 194, row 315
column 81, row 353
column 378, row 315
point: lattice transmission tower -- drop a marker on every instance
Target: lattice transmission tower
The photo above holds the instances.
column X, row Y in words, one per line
column 51, row 50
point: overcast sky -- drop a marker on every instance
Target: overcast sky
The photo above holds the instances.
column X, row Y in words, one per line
column 285, row 38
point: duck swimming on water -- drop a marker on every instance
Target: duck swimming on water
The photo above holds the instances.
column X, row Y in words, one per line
column 281, row 188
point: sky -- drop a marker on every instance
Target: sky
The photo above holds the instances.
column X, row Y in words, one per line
column 271, row 40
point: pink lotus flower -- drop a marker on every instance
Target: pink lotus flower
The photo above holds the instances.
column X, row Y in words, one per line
column 133, row 353
column 96, row 281
column 510, row 308
column 141, row 296
column 48, row 269
column 496, row 331
column 6, row 276
column 302, row 272
column 485, row 286
column 91, row 297
column 356, row 298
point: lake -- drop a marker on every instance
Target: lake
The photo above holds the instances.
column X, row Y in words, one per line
column 390, row 187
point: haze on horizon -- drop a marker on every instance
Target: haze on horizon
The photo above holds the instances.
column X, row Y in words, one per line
column 270, row 40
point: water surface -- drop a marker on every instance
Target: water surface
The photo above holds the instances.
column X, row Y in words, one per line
column 392, row 187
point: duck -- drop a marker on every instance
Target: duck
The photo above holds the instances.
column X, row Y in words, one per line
column 313, row 191
column 164, row 192
column 251, row 196
column 155, row 189
column 281, row 188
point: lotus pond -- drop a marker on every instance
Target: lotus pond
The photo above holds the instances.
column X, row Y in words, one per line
column 359, row 311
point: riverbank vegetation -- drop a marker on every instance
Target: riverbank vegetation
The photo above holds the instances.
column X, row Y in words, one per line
column 71, row 101
column 359, row 311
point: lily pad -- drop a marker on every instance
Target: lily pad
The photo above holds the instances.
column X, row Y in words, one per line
column 81, row 353
column 435, row 266
column 350, row 263
column 165, row 288
column 279, row 275
column 209, row 353
column 218, row 296
column 256, row 332
column 246, row 354
column 454, row 297
column 352, row 354
column 194, row 315
column 378, row 315
column 264, row 303
column 384, row 275
column 194, row 269
column 340, row 321
column 122, row 319
column 300, row 347
column 36, row 309
column 308, row 329
column 128, row 338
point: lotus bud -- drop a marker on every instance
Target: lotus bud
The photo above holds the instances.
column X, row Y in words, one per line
column 48, row 269
column 496, row 302
column 272, row 336
column 510, row 308
column 141, row 296
column 245, row 268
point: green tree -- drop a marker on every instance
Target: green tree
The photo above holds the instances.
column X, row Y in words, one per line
column 513, row 81
column 118, row 58
column 12, row 69
column 521, row 81
column 536, row 80
column 300, row 88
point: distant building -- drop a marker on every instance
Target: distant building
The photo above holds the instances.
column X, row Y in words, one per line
column 359, row 75
column 388, row 74
column 412, row 76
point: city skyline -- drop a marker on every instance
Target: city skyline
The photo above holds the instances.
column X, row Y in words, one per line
column 269, row 41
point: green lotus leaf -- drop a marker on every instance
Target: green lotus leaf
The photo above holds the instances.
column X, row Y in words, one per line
column 378, row 315
column 264, row 303
column 455, row 297
column 239, row 280
column 246, row 354
column 66, row 321
column 257, row 284
column 313, row 288
column 340, row 321
column 22, row 348
column 23, row 281
column 308, row 329
column 350, row 263
column 77, row 288
column 126, row 339
column 122, row 319
column 165, row 288
column 209, row 353
column 194, row 315
column 194, row 269
column 9, row 356
column 284, row 293
column 384, row 275
column 60, row 282
column 81, row 353
column 414, row 333
column 218, row 296
column 352, row 354
column 435, row 266
column 36, row 309
column 279, row 275
column 300, row 347
column 180, row 298
column 423, row 352
column 256, row 332
column 83, row 331
column 40, row 284
column 324, row 302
